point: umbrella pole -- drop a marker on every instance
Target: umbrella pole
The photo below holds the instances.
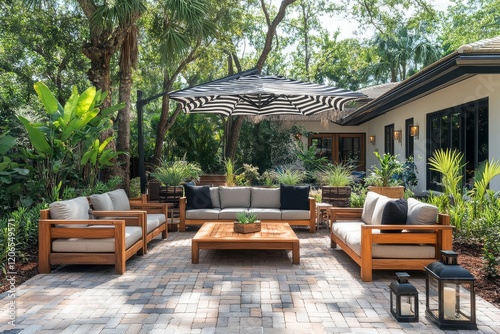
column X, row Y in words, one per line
column 227, row 131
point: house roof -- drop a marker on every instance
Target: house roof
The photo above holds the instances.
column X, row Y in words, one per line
column 476, row 58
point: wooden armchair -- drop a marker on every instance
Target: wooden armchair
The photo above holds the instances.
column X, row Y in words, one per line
column 414, row 247
column 66, row 235
column 116, row 204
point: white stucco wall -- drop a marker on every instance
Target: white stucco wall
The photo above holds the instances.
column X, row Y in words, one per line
column 474, row 88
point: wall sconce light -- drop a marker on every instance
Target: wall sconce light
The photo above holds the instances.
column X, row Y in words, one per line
column 372, row 140
column 414, row 131
column 398, row 135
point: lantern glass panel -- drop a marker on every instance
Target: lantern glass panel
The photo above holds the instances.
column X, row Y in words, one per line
column 407, row 305
column 457, row 301
column 450, row 300
column 394, row 302
column 433, row 297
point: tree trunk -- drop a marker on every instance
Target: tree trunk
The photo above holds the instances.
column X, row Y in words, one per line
column 233, row 137
column 123, row 120
column 237, row 122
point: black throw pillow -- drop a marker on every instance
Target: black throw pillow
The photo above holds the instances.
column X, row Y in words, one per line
column 394, row 214
column 294, row 197
column 198, row 197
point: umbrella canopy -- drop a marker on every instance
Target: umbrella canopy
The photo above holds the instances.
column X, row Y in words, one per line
column 252, row 94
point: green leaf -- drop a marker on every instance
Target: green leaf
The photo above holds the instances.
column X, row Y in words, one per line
column 37, row 137
column 50, row 102
column 6, row 143
column 86, row 102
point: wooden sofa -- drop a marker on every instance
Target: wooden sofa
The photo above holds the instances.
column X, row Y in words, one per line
column 66, row 235
column 377, row 241
column 285, row 204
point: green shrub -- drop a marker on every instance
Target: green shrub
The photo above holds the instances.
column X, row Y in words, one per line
column 289, row 177
column 19, row 235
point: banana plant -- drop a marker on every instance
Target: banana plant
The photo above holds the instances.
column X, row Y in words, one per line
column 98, row 156
column 66, row 134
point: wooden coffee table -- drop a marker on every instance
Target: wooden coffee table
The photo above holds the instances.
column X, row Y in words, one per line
column 279, row 236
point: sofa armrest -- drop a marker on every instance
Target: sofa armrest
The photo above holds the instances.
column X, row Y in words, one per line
column 47, row 232
column 132, row 217
column 151, row 207
column 312, row 214
column 182, row 214
column 343, row 214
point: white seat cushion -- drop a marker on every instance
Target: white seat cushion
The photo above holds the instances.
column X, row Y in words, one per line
column 155, row 220
column 230, row 213
column 350, row 234
column 294, row 214
column 107, row 245
column 266, row 213
column 206, row 214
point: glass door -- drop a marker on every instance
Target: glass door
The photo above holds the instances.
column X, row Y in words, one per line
column 340, row 147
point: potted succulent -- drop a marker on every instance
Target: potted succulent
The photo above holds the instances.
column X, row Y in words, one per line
column 336, row 182
column 246, row 222
column 386, row 179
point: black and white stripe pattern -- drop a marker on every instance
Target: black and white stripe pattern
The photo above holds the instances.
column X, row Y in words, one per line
column 263, row 95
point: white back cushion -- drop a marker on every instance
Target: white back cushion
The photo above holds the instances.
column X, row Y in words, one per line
column 378, row 212
column 76, row 208
column 214, row 196
column 101, row 202
column 120, row 200
column 369, row 206
column 420, row 213
column 265, row 198
column 234, row 197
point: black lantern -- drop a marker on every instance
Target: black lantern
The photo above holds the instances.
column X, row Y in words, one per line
column 404, row 299
column 449, row 291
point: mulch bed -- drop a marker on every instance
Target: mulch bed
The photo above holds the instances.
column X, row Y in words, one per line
column 469, row 257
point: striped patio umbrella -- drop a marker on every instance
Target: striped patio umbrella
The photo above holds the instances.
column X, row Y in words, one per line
column 251, row 94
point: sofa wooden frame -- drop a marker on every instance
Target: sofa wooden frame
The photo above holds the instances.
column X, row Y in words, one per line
column 48, row 231
column 311, row 222
column 440, row 235
column 141, row 206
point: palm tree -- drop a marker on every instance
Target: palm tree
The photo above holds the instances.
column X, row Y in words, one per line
column 403, row 53
column 185, row 25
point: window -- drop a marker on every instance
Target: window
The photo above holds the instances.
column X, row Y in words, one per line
column 339, row 147
column 389, row 139
column 464, row 128
column 409, row 149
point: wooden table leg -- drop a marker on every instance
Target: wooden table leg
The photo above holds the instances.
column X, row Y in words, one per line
column 195, row 252
column 295, row 253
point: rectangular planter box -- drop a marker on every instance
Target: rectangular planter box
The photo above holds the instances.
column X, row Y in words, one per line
column 246, row 228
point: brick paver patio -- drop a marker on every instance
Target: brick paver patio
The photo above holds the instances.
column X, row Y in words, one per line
column 228, row 292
